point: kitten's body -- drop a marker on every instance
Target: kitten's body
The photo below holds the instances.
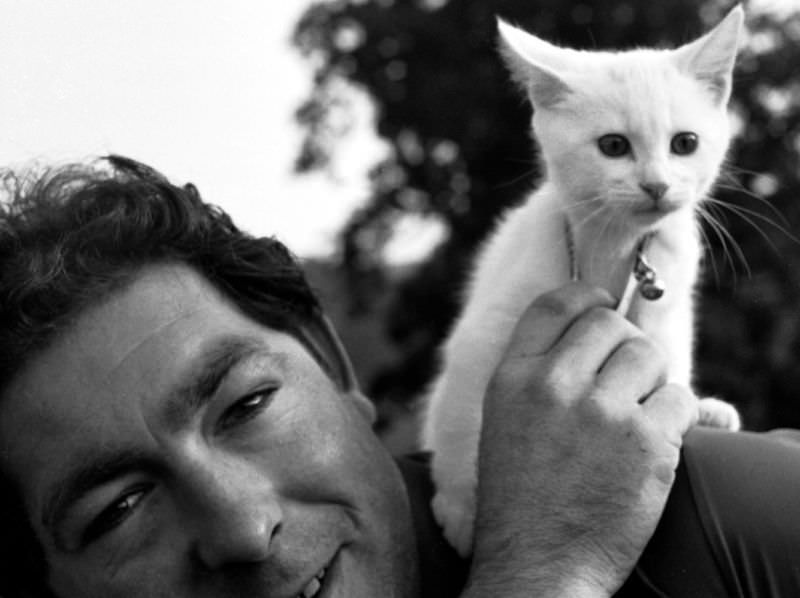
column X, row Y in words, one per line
column 589, row 215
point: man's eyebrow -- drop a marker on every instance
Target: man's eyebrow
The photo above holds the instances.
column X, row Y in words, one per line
column 206, row 376
column 88, row 474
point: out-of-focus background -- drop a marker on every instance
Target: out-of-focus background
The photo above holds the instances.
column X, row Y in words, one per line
column 381, row 139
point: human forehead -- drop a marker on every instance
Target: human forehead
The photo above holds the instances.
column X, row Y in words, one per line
column 162, row 301
column 168, row 303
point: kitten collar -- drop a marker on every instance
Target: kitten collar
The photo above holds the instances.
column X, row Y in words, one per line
column 651, row 287
column 644, row 277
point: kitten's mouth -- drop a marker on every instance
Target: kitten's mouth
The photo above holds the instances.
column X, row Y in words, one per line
column 649, row 216
column 662, row 207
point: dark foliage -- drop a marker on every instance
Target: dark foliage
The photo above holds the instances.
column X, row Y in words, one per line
column 462, row 154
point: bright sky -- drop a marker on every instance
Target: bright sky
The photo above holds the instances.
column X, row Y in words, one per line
column 204, row 91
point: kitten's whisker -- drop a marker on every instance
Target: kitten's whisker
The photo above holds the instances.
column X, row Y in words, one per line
column 716, row 227
column 574, row 207
column 714, row 208
column 591, row 215
column 729, row 166
column 708, row 214
column 727, row 241
column 581, row 204
column 750, row 216
column 712, row 257
column 718, row 219
column 524, row 175
column 736, row 185
column 600, row 207
column 606, row 227
column 566, row 209
column 728, row 251
column 784, row 221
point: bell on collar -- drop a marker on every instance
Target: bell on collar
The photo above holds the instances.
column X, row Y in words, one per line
column 651, row 287
column 652, row 290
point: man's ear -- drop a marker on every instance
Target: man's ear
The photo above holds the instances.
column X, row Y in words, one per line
column 326, row 346
column 364, row 405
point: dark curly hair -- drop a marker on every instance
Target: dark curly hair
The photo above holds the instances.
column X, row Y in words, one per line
column 69, row 236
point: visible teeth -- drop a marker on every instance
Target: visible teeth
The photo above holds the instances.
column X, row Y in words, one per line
column 313, row 586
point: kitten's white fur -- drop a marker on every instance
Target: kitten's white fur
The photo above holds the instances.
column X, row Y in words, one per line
column 648, row 96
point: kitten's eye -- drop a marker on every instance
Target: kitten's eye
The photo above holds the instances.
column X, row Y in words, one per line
column 613, row 145
column 684, row 144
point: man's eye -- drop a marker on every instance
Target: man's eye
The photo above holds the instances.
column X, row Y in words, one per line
column 247, row 407
column 113, row 515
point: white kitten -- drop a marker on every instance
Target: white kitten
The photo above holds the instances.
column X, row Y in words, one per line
column 631, row 142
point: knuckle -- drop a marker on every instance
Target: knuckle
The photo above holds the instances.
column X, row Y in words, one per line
column 685, row 401
column 515, row 378
column 593, row 292
column 599, row 296
column 556, row 304
column 605, row 318
column 680, row 397
column 678, row 411
column 572, row 298
column 644, row 428
column 599, row 410
column 549, row 385
column 558, row 378
column 646, row 349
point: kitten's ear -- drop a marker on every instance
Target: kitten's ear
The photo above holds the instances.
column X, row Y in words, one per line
column 711, row 58
column 533, row 62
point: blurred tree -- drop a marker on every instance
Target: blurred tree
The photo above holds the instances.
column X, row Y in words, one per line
column 461, row 153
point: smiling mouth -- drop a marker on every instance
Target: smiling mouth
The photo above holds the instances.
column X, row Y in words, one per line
column 314, row 586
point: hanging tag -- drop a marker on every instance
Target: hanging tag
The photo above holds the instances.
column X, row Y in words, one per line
column 651, row 287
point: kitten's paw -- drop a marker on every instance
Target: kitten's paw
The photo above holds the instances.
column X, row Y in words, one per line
column 719, row 414
column 455, row 512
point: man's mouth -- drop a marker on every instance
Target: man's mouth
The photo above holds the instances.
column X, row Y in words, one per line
column 314, row 586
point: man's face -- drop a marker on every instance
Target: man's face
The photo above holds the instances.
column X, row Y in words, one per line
column 167, row 445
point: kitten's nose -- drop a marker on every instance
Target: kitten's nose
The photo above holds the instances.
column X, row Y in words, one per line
column 655, row 190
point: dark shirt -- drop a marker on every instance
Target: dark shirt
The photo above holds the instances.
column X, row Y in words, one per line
column 443, row 572
column 731, row 527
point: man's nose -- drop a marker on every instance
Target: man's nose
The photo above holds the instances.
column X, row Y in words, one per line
column 236, row 517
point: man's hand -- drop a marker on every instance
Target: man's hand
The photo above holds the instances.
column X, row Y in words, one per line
column 580, row 442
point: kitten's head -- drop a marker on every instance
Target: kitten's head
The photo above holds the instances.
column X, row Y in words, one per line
column 640, row 133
